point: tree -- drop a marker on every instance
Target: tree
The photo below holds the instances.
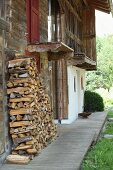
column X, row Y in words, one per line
column 103, row 77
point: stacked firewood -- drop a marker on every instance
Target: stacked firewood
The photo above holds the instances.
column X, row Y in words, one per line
column 31, row 119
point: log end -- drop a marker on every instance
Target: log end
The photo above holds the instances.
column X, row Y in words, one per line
column 17, row 159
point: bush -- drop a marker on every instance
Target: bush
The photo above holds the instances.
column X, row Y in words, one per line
column 93, row 102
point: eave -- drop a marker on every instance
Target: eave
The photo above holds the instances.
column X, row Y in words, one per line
column 82, row 61
column 101, row 5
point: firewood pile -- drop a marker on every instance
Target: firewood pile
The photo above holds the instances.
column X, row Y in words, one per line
column 31, row 119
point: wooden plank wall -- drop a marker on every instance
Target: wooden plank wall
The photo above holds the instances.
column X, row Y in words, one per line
column 89, row 40
column 16, row 37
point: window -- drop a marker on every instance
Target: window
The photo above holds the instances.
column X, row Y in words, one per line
column 32, row 11
column 82, row 85
column 54, row 21
column 74, row 84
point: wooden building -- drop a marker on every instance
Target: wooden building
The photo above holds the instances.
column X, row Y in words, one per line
column 61, row 35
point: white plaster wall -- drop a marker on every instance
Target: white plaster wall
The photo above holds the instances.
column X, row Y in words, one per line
column 72, row 93
column 81, row 74
column 75, row 98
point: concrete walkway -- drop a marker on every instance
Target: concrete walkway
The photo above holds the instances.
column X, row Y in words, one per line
column 68, row 150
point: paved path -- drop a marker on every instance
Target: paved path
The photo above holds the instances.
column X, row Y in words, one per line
column 68, row 150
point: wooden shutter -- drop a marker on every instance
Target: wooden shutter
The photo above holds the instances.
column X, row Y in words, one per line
column 32, row 11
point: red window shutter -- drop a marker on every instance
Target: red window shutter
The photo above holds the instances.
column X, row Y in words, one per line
column 32, row 11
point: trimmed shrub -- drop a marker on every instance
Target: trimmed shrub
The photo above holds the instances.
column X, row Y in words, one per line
column 93, row 102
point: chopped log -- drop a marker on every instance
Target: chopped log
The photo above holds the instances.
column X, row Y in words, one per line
column 23, row 147
column 19, row 81
column 18, row 71
column 27, row 117
column 24, row 75
column 20, row 123
column 22, row 130
column 19, row 105
column 22, row 139
column 31, row 151
column 12, row 105
column 19, row 62
column 14, row 136
column 22, row 99
column 19, row 117
column 9, row 84
column 17, row 159
column 14, row 95
column 30, row 142
column 14, row 152
column 20, row 90
column 13, row 118
column 22, row 135
column 20, row 111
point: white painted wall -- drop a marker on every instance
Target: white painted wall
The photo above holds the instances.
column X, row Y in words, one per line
column 81, row 74
column 75, row 94
column 72, row 93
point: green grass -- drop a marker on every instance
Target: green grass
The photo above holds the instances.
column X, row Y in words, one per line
column 100, row 157
column 110, row 114
column 109, row 129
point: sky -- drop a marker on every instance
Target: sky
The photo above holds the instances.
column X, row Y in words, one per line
column 104, row 24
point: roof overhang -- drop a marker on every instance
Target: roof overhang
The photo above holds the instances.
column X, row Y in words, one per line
column 82, row 61
column 101, row 5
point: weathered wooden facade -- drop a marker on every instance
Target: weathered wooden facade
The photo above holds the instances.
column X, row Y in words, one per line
column 71, row 43
column 61, row 35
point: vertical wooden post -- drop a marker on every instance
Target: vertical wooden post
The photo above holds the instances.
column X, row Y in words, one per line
column 59, row 87
column 62, row 92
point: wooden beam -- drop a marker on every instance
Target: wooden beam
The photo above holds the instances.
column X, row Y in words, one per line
column 101, row 9
column 100, row 5
column 59, row 56
column 49, row 47
column 69, row 6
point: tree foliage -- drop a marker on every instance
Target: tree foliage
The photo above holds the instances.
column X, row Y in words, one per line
column 103, row 76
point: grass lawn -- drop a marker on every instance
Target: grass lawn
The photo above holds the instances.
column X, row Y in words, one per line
column 100, row 157
column 110, row 114
column 109, row 129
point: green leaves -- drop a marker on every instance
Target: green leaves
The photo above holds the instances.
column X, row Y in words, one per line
column 103, row 77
